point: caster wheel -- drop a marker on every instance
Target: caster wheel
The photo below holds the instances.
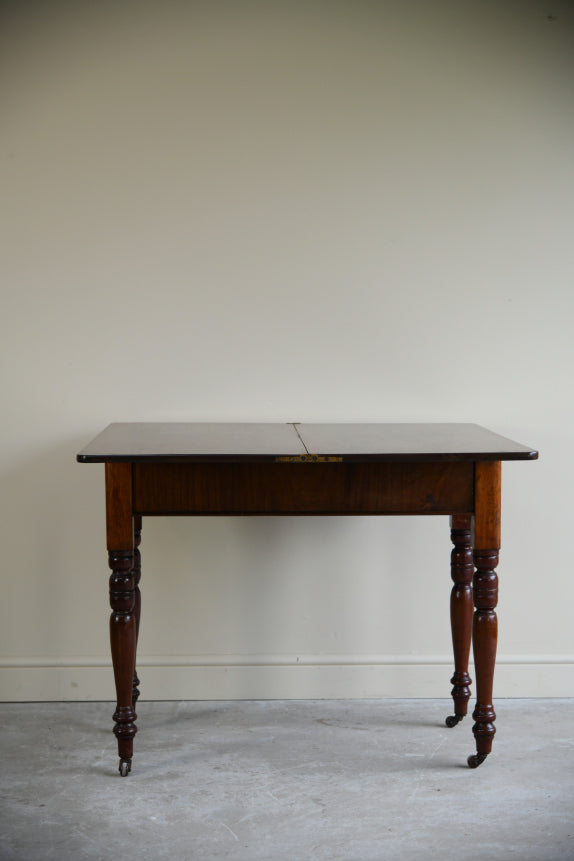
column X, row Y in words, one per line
column 475, row 760
column 125, row 767
column 452, row 720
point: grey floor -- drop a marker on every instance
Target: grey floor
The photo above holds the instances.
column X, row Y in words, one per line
column 347, row 779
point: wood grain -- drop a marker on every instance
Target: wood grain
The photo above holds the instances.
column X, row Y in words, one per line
column 487, row 505
column 119, row 522
column 303, row 488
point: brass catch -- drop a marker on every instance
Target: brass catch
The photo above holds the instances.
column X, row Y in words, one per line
column 308, row 458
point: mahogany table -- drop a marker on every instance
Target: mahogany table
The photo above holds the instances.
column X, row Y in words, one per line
column 274, row 469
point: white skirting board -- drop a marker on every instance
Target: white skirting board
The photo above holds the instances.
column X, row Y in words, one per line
column 278, row 677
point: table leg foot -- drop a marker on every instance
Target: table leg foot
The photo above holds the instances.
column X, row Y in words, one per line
column 125, row 767
column 476, row 759
column 452, row 720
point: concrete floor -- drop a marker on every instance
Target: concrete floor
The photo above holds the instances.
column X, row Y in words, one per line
column 347, row 779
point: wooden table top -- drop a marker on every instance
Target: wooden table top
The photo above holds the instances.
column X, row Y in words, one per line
column 232, row 442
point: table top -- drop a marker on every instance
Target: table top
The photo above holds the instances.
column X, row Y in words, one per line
column 220, row 442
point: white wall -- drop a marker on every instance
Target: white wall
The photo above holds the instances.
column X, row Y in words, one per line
column 282, row 211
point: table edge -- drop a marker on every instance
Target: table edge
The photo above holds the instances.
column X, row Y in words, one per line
column 417, row 457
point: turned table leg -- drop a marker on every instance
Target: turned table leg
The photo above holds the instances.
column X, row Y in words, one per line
column 123, row 624
column 123, row 646
column 137, row 569
column 485, row 594
column 461, row 613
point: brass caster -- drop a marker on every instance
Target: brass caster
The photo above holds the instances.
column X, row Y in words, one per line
column 452, row 720
column 475, row 760
column 125, row 767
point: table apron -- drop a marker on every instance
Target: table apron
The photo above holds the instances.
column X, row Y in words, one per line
column 303, row 488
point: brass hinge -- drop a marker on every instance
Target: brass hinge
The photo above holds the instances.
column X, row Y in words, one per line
column 308, row 458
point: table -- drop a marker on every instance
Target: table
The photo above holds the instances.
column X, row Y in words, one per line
column 311, row 469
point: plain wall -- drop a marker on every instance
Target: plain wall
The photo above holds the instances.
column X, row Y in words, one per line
column 282, row 211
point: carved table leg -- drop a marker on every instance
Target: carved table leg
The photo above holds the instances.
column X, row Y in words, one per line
column 123, row 628
column 461, row 613
column 137, row 569
column 485, row 623
column 485, row 635
column 123, row 646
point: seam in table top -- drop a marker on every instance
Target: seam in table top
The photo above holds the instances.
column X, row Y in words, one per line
column 299, row 435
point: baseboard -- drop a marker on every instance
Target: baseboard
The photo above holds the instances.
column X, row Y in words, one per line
column 277, row 677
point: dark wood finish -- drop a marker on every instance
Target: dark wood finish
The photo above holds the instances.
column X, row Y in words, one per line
column 177, row 442
column 119, row 523
column 137, row 571
column 487, row 493
column 123, row 631
column 461, row 610
column 487, row 496
column 411, row 442
column 484, row 638
column 123, row 647
column 303, row 488
column 156, row 469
